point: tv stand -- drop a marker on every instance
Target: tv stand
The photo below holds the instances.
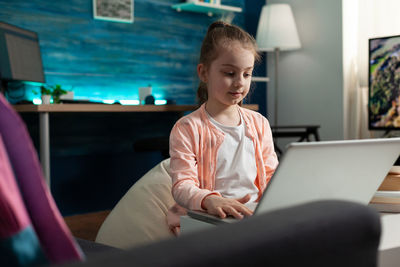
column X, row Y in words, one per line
column 391, row 133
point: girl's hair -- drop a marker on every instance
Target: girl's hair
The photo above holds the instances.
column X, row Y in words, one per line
column 221, row 34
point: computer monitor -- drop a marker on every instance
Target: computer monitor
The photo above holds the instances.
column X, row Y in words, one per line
column 20, row 58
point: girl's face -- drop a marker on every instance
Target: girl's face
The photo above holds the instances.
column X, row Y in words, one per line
column 228, row 77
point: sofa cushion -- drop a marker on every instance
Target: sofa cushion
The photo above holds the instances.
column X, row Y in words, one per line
column 140, row 216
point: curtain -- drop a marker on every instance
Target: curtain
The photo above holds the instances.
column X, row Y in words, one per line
column 362, row 19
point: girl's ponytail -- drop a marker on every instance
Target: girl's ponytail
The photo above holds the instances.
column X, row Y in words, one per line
column 202, row 94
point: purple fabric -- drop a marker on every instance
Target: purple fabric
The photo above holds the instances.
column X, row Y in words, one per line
column 54, row 235
column 13, row 215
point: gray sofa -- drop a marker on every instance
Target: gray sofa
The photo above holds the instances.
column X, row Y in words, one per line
column 325, row 233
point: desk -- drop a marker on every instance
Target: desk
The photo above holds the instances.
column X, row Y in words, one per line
column 44, row 124
column 303, row 132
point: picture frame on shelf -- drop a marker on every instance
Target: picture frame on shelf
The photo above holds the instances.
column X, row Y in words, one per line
column 114, row 10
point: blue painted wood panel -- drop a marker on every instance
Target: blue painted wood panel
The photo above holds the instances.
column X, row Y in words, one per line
column 109, row 60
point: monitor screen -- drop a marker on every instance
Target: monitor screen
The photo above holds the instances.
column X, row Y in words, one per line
column 20, row 58
column 384, row 83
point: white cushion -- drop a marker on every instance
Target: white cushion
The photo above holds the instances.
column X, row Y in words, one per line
column 140, row 216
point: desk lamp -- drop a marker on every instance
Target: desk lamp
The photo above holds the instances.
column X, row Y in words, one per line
column 277, row 32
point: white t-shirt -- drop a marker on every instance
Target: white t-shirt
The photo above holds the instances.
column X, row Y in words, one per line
column 236, row 165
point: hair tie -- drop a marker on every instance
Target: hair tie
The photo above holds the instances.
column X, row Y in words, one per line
column 217, row 24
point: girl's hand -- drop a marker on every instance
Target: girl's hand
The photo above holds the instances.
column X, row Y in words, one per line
column 223, row 207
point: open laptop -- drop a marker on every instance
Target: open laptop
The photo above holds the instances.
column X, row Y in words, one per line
column 336, row 170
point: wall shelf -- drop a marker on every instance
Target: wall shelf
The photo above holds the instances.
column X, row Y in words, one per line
column 260, row 79
column 201, row 7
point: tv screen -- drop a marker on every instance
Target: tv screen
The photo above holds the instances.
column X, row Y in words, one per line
column 384, row 83
column 20, row 58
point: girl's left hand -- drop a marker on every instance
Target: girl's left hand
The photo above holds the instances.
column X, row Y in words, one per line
column 223, row 207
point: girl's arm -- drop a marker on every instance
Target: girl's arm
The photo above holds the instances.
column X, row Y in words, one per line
column 268, row 151
column 186, row 189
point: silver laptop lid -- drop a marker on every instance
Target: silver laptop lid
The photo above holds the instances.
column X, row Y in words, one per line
column 342, row 170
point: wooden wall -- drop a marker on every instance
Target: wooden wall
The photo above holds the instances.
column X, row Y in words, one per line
column 109, row 60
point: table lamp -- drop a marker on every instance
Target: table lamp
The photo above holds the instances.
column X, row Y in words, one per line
column 277, row 32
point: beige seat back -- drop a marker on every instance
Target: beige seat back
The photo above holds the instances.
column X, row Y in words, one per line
column 140, row 216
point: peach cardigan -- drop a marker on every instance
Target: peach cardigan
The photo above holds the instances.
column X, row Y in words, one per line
column 194, row 143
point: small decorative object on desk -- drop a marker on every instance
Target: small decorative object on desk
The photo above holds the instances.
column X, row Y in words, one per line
column 45, row 99
column 144, row 92
column 149, row 100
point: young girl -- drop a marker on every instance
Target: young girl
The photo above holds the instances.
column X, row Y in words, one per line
column 222, row 155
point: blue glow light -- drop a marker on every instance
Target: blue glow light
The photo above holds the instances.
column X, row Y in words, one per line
column 38, row 84
column 37, row 101
column 125, row 95
column 160, row 102
column 129, row 102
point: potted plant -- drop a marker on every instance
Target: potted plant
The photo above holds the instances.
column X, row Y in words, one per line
column 57, row 91
column 45, row 94
column 48, row 92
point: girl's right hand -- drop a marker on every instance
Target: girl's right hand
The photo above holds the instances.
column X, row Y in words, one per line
column 223, row 207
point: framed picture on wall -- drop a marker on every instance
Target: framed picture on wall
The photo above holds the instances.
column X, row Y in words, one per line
column 113, row 10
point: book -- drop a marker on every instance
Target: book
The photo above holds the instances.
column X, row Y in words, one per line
column 386, row 201
column 395, row 170
column 392, row 180
column 387, row 198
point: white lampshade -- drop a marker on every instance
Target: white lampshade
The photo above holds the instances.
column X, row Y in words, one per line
column 277, row 28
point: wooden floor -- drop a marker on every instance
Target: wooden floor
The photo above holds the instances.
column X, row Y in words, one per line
column 87, row 225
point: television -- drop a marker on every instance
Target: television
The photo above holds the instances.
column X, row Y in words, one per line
column 20, row 58
column 384, row 83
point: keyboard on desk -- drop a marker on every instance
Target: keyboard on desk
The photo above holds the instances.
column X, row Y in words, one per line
column 213, row 219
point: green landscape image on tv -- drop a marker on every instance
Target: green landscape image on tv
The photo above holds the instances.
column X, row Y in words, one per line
column 384, row 83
